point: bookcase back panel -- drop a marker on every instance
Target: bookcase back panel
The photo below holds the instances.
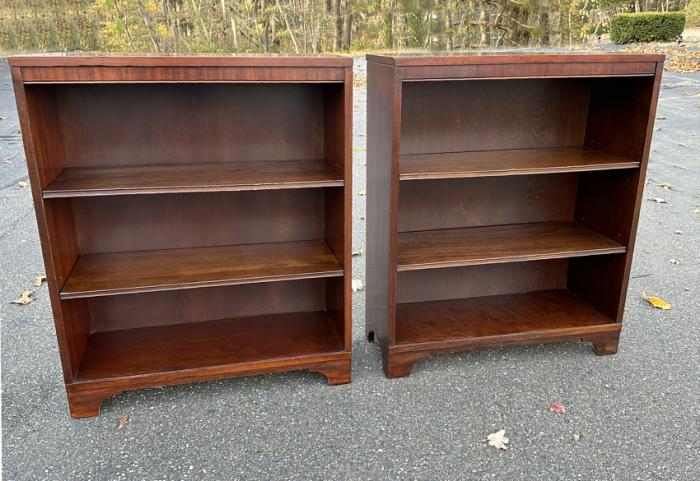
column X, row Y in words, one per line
column 619, row 114
column 206, row 304
column 147, row 222
column 477, row 281
column 106, row 125
column 455, row 116
column 455, row 203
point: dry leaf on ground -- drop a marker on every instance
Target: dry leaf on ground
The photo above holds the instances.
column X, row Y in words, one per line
column 656, row 302
column 674, row 261
column 357, row 253
column 357, row 285
column 498, row 439
column 665, row 185
column 362, row 192
column 557, row 408
column 696, row 211
column 123, row 421
column 677, row 231
column 23, row 184
column 658, row 200
column 24, row 298
column 38, row 280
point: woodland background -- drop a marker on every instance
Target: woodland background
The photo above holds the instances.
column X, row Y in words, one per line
column 310, row 26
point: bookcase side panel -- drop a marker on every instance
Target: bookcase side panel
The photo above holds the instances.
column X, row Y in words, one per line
column 383, row 124
column 39, row 121
column 621, row 121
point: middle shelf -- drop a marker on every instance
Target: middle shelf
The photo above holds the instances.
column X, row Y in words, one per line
column 492, row 163
column 500, row 243
column 193, row 177
column 167, row 269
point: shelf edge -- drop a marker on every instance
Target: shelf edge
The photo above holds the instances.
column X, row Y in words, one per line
column 504, row 260
column 504, row 173
column 62, row 194
column 198, row 285
column 531, row 337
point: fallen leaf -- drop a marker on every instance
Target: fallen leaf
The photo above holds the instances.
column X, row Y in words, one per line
column 661, row 117
column 362, row 192
column 665, row 185
column 658, row 200
column 23, row 184
column 674, row 261
column 38, row 280
column 677, row 231
column 657, row 129
column 7, row 161
column 656, row 302
column 24, row 298
column 123, row 421
column 3, row 118
column 357, row 253
column 357, row 285
column 357, row 149
column 557, row 408
column 696, row 211
column 498, row 439
column 362, row 217
column 579, row 437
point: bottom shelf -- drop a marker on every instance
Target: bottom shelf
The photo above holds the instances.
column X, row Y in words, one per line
column 494, row 320
column 226, row 342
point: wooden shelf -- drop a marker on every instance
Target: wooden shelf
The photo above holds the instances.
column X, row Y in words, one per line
column 496, row 244
column 205, row 177
column 197, row 345
column 517, row 317
column 508, row 162
column 160, row 270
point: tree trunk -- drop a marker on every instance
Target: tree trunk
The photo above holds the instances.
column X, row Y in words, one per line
column 338, row 25
column 544, row 27
column 448, row 26
column 347, row 25
column 389, row 25
column 483, row 38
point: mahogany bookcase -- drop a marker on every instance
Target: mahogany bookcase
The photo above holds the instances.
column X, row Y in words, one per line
column 194, row 215
column 503, row 198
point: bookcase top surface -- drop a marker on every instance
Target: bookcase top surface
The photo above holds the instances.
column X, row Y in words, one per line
column 106, row 60
column 422, row 59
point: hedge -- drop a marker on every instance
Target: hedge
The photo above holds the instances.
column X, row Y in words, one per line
column 646, row 26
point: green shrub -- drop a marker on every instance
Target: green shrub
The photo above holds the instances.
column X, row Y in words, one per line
column 646, row 27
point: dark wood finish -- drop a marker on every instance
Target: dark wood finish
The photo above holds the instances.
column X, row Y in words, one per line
column 503, row 197
column 503, row 243
column 485, row 201
column 155, row 350
column 383, row 128
column 222, row 177
column 243, row 166
column 161, row 270
column 452, row 322
column 426, row 285
column 508, row 162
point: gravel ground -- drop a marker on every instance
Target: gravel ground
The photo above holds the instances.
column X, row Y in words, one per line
column 632, row 416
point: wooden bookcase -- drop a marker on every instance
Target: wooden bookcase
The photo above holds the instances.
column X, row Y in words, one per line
column 503, row 198
column 194, row 215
